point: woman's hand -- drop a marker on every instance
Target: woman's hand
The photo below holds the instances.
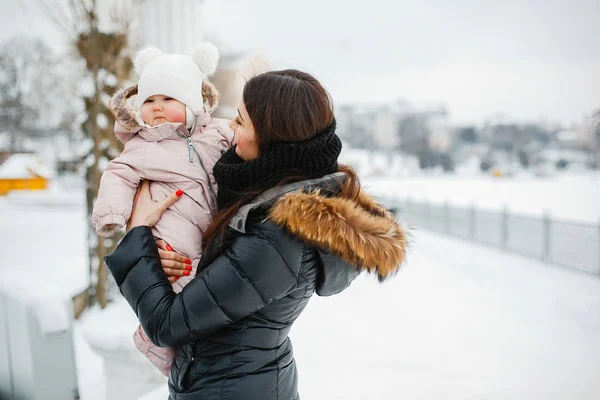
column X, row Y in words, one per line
column 147, row 212
column 173, row 263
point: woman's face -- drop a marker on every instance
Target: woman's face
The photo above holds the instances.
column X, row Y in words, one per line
column 247, row 142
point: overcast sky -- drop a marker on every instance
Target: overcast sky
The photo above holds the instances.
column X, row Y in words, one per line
column 527, row 59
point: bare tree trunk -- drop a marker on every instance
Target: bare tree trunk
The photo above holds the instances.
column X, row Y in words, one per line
column 94, row 183
column 108, row 62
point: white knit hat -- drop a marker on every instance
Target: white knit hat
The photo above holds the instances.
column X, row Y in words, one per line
column 176, row 75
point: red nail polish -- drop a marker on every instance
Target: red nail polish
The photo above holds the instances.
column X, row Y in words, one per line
column 188, row 267
column 179, row 192
column 187, row 261
column 176, row 277
column 169, row 247
column 186, row 273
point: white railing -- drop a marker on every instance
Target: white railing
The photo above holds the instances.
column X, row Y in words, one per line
column 566, row 243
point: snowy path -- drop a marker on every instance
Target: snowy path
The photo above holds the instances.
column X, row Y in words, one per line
column 44, row 240
column 567, row 197
column 460, row 322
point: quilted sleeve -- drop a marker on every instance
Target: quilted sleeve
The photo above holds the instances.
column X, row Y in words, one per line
column 248, row 276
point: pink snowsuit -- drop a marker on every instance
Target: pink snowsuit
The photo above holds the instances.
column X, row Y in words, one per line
column 171, row 158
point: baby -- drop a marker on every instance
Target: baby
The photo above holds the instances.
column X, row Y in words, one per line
column 171, row 140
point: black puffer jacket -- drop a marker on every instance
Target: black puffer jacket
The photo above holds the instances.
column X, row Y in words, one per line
column 230, row 324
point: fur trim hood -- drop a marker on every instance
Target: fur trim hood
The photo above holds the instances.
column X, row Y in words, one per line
column 352, row 235
column 129, row 119
column 361, row 232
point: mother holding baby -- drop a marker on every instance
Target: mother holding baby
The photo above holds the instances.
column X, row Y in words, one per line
column 290, row 221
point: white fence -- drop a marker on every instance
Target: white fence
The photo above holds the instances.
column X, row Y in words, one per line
column 570, row 244
column 37, row 359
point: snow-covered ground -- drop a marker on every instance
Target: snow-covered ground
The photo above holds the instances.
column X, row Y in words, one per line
column 461, row 321
column 571, row 197
column 44, row 237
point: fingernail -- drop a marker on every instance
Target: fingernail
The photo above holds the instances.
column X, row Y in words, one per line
column 169, row 247
column 187, row 261
column 188, row 267
column 179, row 192
column 176, row 277
column 186, row 273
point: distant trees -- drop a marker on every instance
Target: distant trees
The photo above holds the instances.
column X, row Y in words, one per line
column 35, row 94
column 523, row 159
column 468, row 135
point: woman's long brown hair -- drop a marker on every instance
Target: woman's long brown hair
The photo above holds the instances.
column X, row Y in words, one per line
column 289, row 106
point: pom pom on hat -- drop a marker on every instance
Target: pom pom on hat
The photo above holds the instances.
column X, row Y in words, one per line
column 145, row 56
column 206, row 56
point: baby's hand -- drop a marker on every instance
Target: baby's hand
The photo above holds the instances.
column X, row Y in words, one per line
column 111, row 227
column 173, row 263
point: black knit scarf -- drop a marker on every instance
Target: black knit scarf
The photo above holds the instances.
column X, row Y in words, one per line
column 308, row 159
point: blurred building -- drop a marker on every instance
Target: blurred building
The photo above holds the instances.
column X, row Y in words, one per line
column 501, row 136
column 235, row 68
column 589, row 131
column 438, row 125
column 511, row 137
column 399, row 125
column 173, row 26
column 570, row 139
column 367, row 126
column 24, row 172
column 176, row 26
column 590, row 137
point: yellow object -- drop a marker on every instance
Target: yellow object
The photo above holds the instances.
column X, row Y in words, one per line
column 496, row 173
column 33, row 183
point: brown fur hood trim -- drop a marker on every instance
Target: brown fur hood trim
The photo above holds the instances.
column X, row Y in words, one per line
column 125, row 116
column 361, row 232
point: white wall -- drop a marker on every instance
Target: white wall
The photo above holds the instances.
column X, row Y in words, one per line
column 173, row 26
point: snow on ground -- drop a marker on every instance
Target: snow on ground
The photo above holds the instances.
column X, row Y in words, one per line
column 90, row 368
column 43, row 238
column 461, row 321
column 24, row 166
column 571, row 197
column 44, row 253
column 373, row 163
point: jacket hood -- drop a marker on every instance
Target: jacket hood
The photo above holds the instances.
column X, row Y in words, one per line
column 352, row 235
column 130, row 121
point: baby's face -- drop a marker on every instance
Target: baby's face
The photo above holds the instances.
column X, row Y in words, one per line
column 160, row 109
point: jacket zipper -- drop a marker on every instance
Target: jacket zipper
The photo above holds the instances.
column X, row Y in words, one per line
column 191, row 148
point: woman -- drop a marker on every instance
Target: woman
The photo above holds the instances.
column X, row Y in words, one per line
column 291, row 222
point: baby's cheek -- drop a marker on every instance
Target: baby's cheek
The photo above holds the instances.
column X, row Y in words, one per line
column 176, row 116
column 144, row 113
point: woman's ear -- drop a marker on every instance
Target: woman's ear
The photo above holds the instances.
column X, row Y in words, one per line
column 145, row 56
